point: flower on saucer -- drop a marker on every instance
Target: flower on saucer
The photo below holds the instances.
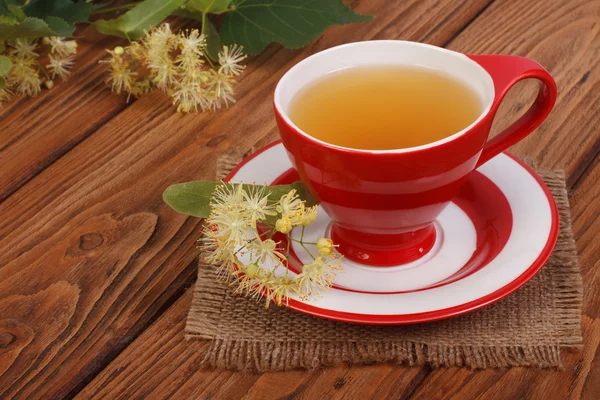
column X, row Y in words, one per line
column 256, row 204
column 240, row 251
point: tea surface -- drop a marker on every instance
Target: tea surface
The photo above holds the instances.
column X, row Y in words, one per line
column 384, row 107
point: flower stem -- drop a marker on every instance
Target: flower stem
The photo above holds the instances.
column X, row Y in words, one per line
column 301, row 241
column 308, row 251
column 238, row 250
column 287, row 255
column 41, row 68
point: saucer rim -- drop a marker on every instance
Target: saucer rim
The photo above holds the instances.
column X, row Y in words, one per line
column 406, row 319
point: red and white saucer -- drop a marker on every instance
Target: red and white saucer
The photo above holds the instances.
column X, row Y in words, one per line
column 495, row 236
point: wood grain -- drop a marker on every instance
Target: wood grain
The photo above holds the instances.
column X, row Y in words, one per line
column 565, row 38
column 581, row 377
column 39, row 130
column 92, row 220
column 161, row 363
column 505, row 27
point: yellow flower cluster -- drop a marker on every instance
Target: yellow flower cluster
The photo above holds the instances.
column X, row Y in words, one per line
column 28, row 57
column 177, row 64
column 240, row 251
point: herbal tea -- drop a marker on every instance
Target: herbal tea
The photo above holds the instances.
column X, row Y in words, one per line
column 384, row 107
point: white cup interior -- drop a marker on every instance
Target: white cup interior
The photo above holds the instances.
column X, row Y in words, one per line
column 385, row 52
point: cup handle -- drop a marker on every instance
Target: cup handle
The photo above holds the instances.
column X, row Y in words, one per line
column 505, row 72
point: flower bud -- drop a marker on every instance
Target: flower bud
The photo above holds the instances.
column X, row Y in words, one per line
column 325, row 246
column 251, row 270
column 283, row 225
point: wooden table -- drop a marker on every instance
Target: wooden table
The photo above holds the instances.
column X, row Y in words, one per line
column 94, row 268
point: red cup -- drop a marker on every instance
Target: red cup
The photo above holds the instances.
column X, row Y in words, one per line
column 383, row 202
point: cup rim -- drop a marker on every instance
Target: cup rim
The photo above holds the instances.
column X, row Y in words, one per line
column 279, row 108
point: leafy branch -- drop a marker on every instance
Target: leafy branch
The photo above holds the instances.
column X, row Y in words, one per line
column 252, row 24
column 193, row 198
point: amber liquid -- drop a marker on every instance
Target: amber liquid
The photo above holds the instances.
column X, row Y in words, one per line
column 384, row 107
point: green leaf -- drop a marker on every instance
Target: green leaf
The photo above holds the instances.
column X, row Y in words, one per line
column 17, row 12
column 2, row 82
column 6, row 20
column 208, row 6
column 29, row 28
column 68, row 10
column 213, row 41
column 60, row 26
column 185, row 13
column 193, row 198
column 5, row 65
column 140, row 18
column 293, row 23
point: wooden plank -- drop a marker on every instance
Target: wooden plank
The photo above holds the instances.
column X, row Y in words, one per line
column 546, row 31
column 37, row 131
column 580, row 378
column 160, row 364
column 94, row 221
column 451, row 382
column 565, row 39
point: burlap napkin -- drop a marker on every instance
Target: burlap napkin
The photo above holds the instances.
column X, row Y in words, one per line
column 528, row 328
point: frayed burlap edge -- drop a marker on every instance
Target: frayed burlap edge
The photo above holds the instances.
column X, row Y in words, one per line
column 261, row 355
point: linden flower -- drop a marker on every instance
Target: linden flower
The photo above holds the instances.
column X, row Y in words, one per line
column 226, row 270
column 158, row 44
column 280, row 290
column 318, row 275
column 62, row 47
column 308, row 216
column 191, row 47
column 309, row 282
column 232, row 244
column 188, row 97
column 232, row 227
column 256, row 204
column 163, row 72
column 59, row 66
column 178, row 65
column 258, row 286
column 121, row 78
column 290, row 205
column 230, row 59
column 227, row 197
column 24, row 47
column 247, row 276
column 161, row 38
column 24, row 77
column 218, row 250
column 266, row 251
column 221, row 87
